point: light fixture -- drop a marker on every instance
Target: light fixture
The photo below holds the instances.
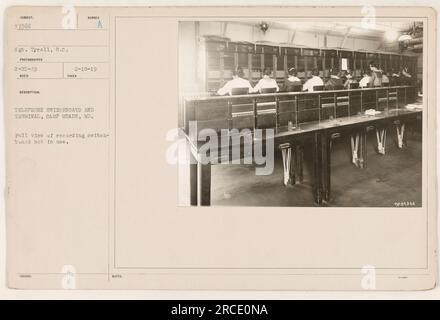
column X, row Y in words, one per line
column 404, row 37
column 264, row 27
column 391, row 35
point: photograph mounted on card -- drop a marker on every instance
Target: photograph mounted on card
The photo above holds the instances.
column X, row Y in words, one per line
column 221, row 148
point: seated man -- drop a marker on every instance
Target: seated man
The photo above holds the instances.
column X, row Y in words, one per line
column 385, row 80
column 266, row 82
column 335, row 81
column 349, row 80
column 315, row 80
column 236, row 82
column 292, row 81
column 406, row 76
column 365, row 82
column 376, row 74
column 343, row 75
column 395, row 78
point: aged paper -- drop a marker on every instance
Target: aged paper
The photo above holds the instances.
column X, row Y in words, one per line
column 100, row 193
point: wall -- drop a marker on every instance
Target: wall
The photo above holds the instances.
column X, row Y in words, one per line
column 188, row 79
column 242, row 32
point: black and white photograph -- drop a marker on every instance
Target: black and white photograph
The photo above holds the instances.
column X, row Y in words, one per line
column 230, row 151
column 296, row 113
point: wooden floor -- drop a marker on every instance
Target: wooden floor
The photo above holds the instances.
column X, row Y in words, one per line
column 393, row 178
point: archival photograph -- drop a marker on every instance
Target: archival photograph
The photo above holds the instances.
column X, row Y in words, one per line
column 301, row 113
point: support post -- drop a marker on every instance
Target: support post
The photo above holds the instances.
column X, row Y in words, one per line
column 400, row 128
column 193, row 179
column 359, row 148
column 288, row 166
column 299, row 164
column 326, row 165
column 317, row 156
column 381, row 135
column 354, row 138
column 363, row 150
column 204, row 184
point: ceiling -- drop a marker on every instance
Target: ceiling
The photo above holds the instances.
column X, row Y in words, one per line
column 368, row 30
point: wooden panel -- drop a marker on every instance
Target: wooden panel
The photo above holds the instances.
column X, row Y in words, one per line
column 311, row 52
column 266, row 103
column 256, row 63
column 215, row 45
column 241, row 106
column 308, row 115
column 287, row 106
column 346, row 54
column 327, row 112
column 266, row 121
column 272, row 50
column 368, row 100
column 284, row 118
column 246, row 122
column 208, row 110
column 214, row 113
column 329, row 53
column 342, row 111
column 401, row 97
column 268, row 61
column 213, row 60
column 259, row 49
column 355, row 103
column 382, row 100
column 245, row 47
column 308, row 101
column 291, row 51
column 216, row 125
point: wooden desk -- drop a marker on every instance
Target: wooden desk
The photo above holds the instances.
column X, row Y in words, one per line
column 327, row 114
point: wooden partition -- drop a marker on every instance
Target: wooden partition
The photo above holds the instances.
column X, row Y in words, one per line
column 222, row 56
column 290, row 109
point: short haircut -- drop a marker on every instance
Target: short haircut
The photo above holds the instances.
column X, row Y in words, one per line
column 268, row 72
column 315, row 72
column 292, row 72
column 238, row 72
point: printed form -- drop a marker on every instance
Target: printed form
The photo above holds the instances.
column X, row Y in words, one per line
column 97, row 159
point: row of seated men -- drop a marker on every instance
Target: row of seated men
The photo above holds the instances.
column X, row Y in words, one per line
column 338, row 80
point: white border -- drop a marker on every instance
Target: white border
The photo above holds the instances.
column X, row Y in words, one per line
column 6, row 293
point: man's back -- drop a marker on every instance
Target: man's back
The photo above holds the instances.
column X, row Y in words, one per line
column 235, row 83
column 313, row 81
column 365, row 82
column 333, row 83
column 291, row 83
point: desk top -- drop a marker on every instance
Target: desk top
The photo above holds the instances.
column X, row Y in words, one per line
column 311, row 127
column 344, row 121
column 284, row 94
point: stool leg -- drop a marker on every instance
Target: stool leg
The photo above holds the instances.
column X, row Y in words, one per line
column 288, row 165
column 400, row 128
column 381, row 135
column 355, row 148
